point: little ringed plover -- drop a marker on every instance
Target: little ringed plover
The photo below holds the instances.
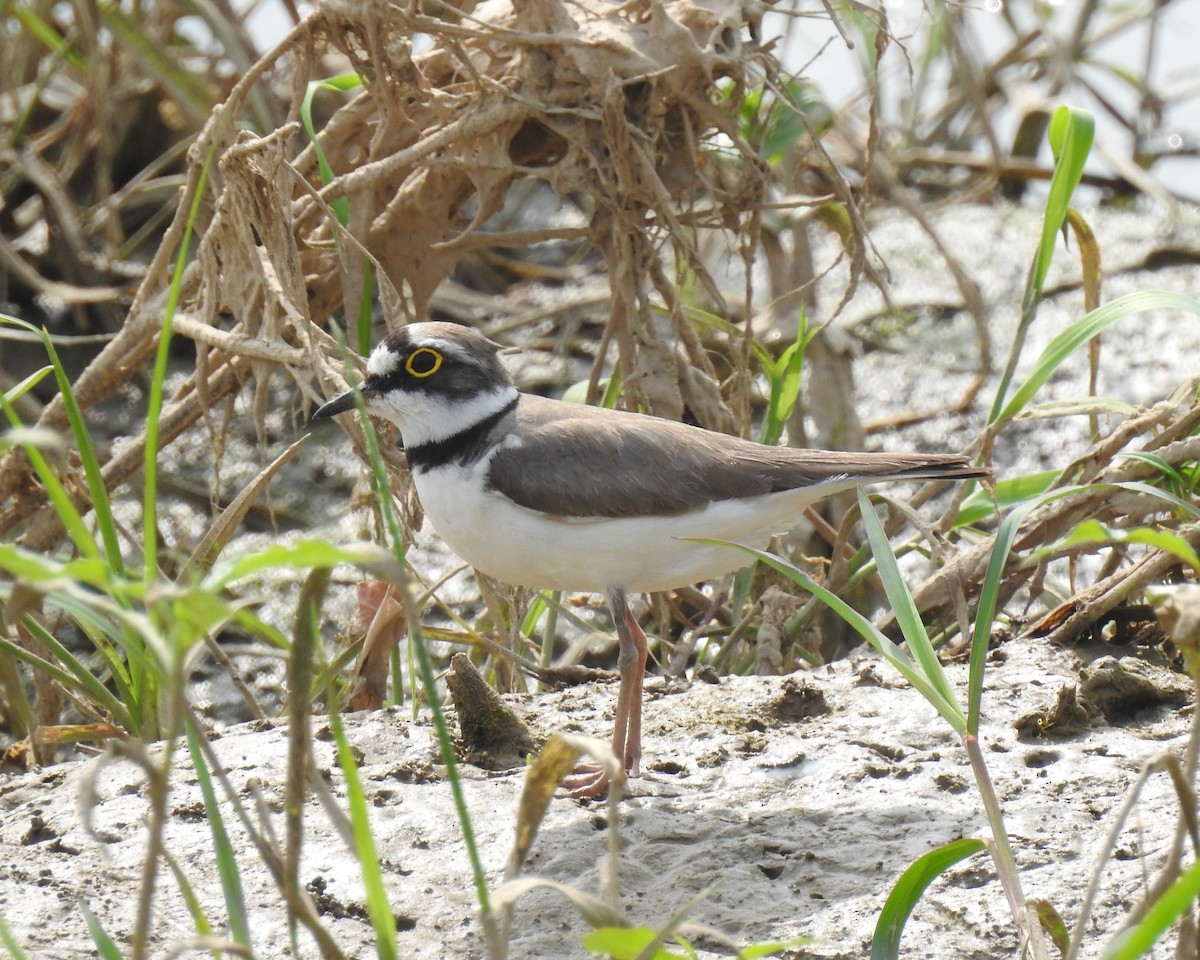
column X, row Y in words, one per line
column 560, row 496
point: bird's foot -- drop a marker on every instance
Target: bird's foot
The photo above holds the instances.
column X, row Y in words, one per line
column 588, row 781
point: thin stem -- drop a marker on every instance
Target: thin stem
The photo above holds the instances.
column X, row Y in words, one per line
column 1029, row 931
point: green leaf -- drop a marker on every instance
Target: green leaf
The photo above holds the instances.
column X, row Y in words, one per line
column 626, row 943
column 780, row 119
column 301, row 556
column 1009, row 492
column 901, row 902
column 768, row 948
column 1156, row 461
column 905, row 609
column 1002, row 545
column 101, row 506
column 64, row 506
column 10, row 943
column 46, row 34
column 383, row 921
column 73, row 675
column 338, row 84
column 989, row 598
column 227, row 867
column 96, row 489
column 1071, row 133
column 1093, row 531
column 199, row 918
column 1052, row 922
column 534, row 614
column 104, row 944
column 1138, row 940
column 1083, row 330
column 31, row 381
column 1137, row 486
column 784, row 379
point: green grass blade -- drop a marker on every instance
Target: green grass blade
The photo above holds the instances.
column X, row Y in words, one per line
column 227, row 867
column 107, row 635
column 418, row 646
column 1009, row 492
column 28, row 383
column 300, row 556
column 1090, row 532
column 366, row 305
column 903, row 607
column 1139, row 940
column 101, row 506
column 155, row 405
column 1154, row 460
column 252, row 624
column 60, row 500
column 784, row 377
column 901, row 902
column 949, row 710
column 768, row 948
column 382, row 920
column 340, row 205
column 22, row 720
column 104, row 943
column 188, row 892
column 74, row 676
column 1083, row 330
column 989, row 598
column 1071, row 133
column 87, row 454
column 338, row 84
column 10, row 943
column 1138, row 486
column 45, row 34
column 627, row 943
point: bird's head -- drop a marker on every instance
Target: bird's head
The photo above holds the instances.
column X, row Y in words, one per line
column 432, row 380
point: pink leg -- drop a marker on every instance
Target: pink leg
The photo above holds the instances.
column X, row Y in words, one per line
column 632, row 663
column 589, row 780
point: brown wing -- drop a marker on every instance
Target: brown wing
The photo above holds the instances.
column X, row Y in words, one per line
column 583, row 462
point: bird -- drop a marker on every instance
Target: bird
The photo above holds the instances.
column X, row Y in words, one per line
column 554, row 495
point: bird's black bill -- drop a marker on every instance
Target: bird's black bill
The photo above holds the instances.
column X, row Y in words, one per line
column 335, row 406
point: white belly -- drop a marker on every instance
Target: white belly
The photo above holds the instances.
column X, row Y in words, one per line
column 522, row 547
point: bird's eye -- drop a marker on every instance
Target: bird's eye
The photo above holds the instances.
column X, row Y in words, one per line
column 423, row 362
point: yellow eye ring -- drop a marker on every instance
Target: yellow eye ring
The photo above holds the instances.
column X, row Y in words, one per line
column 423, row 362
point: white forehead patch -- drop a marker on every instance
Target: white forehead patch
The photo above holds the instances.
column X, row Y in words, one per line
column 382, row 362
column 443, row 346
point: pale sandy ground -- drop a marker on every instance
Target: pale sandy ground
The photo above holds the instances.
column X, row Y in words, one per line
column 781, row 824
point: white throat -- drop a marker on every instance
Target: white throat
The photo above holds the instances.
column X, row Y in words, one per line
column 431, row 417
